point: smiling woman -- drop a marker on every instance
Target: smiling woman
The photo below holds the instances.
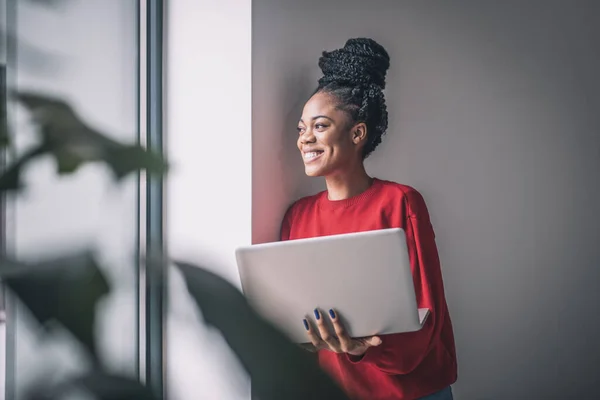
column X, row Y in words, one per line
column 323, row 141
column 345, row 119
column 342, row 124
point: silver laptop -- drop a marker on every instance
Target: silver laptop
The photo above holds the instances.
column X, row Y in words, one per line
column 365, row 277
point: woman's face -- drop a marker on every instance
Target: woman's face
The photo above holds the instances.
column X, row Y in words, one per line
column 326, row 140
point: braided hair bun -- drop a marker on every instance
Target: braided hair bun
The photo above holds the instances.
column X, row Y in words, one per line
column 355, row 76
column 359, row 62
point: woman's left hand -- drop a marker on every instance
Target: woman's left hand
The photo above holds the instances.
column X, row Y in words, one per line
column 340, row 342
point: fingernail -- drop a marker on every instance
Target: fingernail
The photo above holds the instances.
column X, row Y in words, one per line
column 305, row 324
column 317, row 314
column 332, row 313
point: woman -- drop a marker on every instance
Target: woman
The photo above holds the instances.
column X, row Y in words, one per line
column 341, row 125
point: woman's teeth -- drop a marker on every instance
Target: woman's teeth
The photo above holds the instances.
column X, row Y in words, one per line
column 311, row 155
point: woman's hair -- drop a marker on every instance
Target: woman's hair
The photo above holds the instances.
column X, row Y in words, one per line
column 355, row 76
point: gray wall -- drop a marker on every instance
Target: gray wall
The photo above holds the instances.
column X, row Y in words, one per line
column 494, row 118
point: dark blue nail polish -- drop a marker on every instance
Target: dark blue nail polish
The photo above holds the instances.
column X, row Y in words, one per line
column 305, row 324
column 317, row 314
column 332, row 313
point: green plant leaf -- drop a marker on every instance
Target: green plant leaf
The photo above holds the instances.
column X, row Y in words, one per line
column 65, row 290
column 113, row 387
column 96, row 384
column 11, row 178
column 278, row 368
column 72, row 143
column 126, row 159
column 4, row 133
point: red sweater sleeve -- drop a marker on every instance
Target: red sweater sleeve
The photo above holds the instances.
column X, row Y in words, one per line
column 401, row 353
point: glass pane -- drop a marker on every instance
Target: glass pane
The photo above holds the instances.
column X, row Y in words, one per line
column 86, row 53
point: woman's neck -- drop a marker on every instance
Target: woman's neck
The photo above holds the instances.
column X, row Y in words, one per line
column 345, row 185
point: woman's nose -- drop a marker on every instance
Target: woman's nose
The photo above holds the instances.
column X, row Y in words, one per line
column 307, row 137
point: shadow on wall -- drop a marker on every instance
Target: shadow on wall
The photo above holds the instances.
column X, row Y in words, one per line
column 297, row 90
column 277, row 168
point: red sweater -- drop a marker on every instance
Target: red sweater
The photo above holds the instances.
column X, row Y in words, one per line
column 405, row 366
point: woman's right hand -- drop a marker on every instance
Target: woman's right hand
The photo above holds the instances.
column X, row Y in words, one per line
column 322, row 339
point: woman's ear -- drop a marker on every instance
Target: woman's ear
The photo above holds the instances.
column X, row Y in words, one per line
column 359, row 133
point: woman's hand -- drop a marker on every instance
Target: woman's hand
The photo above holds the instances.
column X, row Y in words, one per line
column 340, row 342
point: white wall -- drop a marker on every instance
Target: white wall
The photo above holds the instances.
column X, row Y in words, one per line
column 88, row 51
column 493, row 117
column 209, row 190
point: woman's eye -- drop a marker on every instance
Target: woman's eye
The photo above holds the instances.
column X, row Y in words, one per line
column 320, row 126
column 300, row 129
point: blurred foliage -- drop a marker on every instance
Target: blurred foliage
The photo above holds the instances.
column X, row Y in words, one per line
column 95, row 385
column 278, row 368
column 65, row 291
column 72, row 143
column 48, row 2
